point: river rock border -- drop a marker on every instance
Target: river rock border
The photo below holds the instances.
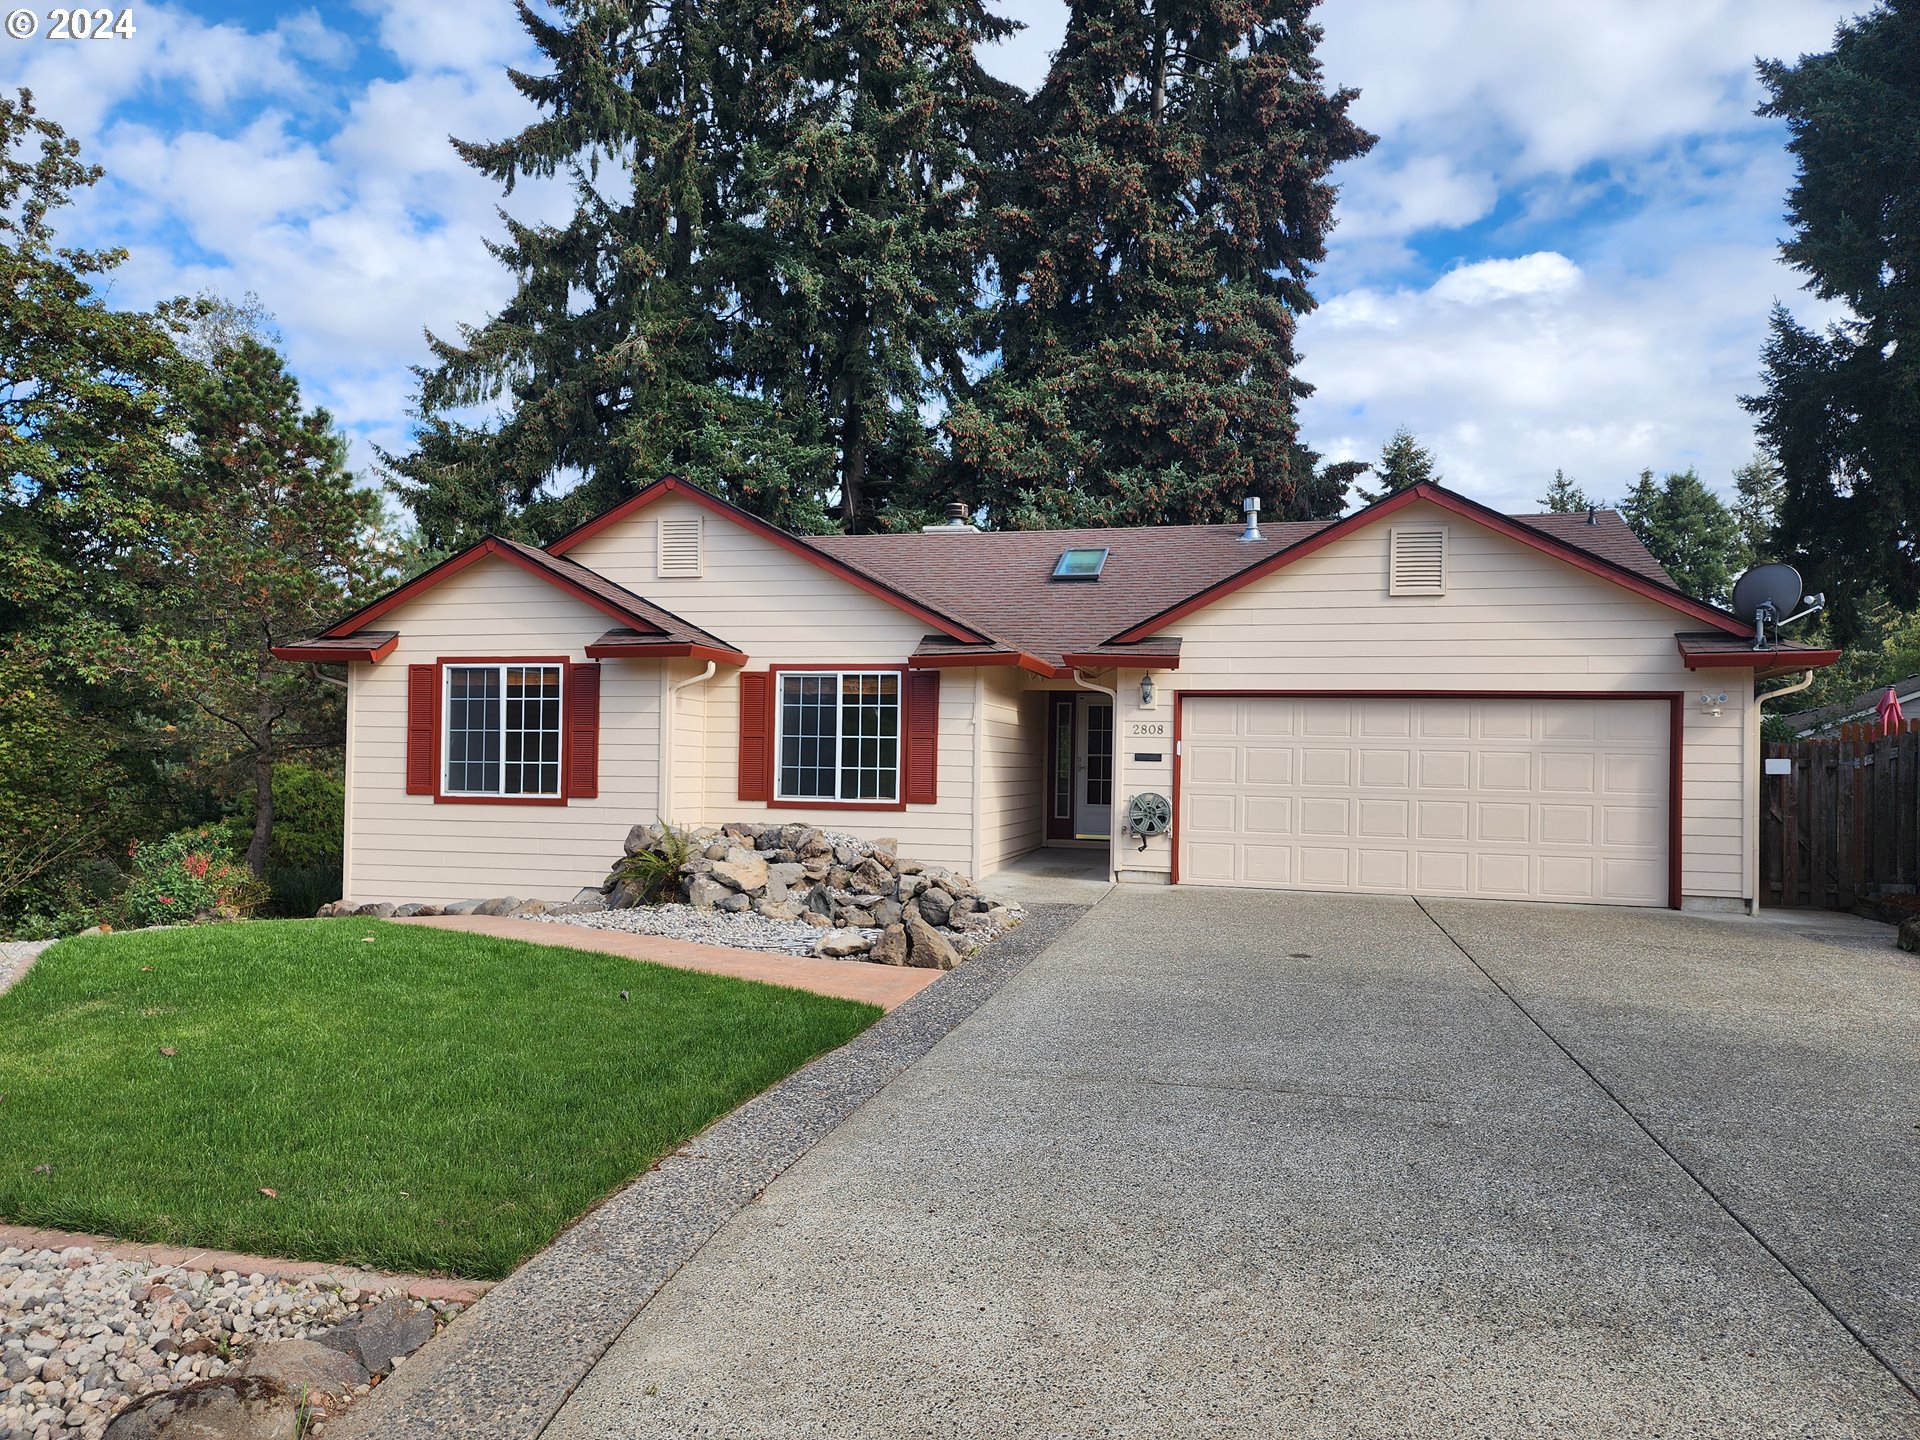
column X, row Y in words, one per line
column 867, row 901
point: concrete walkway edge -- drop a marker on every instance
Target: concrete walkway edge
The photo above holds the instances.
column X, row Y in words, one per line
column 504, row 1367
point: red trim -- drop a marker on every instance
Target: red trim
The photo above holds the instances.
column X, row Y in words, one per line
column 1770, row 662
column 566, row 743
column 580, row 724
column 334, row 654
column 1676, row 740
column 422, row 765
column 755, row 739
column 664, row 650
column 1031, row 663
column 674, row 485
column 1094, row 660
column 1468, row 509
column 774, row 672
column 452, row 566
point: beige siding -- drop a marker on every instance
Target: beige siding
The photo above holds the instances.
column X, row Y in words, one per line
column 405, row 847
column 1014, row 727
column 1512, row 619
column 783, row 609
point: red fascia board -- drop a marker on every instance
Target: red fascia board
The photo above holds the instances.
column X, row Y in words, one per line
column 961, row 661
column 334, row 654
column 664, row 650
column 1771, row 662
column 1467, row 509
column 454, row 564
column 1097, row 660
column 674, row 485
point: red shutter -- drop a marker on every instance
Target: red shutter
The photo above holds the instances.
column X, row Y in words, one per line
column 423, row 729
column 923, row 737
column 583, row 731
column 756, row 735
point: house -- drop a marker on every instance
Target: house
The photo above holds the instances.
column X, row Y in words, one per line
column 1425, row 697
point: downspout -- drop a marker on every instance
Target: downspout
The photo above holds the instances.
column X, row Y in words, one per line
column 1804, row 682
column 979, row 771
column 1113, row 808
column 666, row 734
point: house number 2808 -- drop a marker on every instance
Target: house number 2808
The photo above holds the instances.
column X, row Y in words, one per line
column 1148, row 729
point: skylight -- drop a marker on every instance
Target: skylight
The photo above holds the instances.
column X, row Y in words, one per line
column 1080, row 565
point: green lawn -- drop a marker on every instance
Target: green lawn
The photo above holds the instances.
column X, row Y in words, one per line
column 417, row 1099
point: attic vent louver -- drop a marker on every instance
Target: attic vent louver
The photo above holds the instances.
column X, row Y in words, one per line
column 679, row 548
column 1417, row 560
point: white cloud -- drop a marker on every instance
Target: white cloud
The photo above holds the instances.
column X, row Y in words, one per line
column 1543, row 274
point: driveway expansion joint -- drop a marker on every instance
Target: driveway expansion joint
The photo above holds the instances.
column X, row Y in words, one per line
column 1700, row 1181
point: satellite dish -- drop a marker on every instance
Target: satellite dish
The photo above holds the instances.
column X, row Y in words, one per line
column 1773, row 587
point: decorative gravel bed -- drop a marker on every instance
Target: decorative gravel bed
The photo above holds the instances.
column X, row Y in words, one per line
column 744, row 931
column 83, row 1332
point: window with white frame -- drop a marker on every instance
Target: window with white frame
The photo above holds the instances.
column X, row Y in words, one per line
column 502, row 730
column 838, row 735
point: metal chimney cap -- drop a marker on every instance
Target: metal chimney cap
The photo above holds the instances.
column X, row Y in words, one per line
column 1252, row 506
column 956, row 513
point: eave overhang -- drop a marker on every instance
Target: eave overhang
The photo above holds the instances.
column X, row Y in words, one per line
column 372, row 646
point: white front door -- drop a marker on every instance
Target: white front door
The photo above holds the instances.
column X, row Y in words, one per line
column 1093, row 769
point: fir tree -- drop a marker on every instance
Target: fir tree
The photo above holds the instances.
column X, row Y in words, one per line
column 1153, row 242
column 608, row 359
column 1688, row 529
column 1756, row 510
column 871, row 126
column 1564, row 496
column 1403, row 462
column 1840, row 410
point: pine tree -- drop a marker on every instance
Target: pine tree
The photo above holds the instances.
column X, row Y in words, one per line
column 1564, row 496
column 1153, row 243
column 1688, row 529
column 1403, row 462
column 609, row 357
column 871, row 126
column 1839, row 410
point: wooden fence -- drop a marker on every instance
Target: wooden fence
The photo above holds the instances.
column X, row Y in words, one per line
column 1844, row 824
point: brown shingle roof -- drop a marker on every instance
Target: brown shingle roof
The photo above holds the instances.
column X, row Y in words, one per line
column 1000, row 582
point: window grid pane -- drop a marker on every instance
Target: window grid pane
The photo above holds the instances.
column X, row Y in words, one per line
column 870, row 736
column 532, row 739
column 840, row 736
column 1099, row 755
column 809, row 729
column 473, row 730
column 503, row 730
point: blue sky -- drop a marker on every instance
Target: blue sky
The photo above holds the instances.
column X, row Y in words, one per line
column 1561, row 253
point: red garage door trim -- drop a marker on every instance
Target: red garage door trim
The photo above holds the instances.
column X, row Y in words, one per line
column 1674, row 741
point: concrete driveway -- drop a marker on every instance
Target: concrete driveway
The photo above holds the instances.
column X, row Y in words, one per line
column 1230, row 1163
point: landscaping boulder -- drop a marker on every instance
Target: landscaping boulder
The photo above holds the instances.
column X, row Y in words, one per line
column 462, row 907
column 935, row 905
column 643, row 837
column 839, row 944
column 234, row 1407
column 891, row 947
column 704, row 894
column 927, row 948
column 307, row 1368
column 379, row 910
column 1910, row 934
column 375, row 1336
column 741, row 868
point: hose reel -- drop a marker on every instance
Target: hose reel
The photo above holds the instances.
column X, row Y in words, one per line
column 1149, row 814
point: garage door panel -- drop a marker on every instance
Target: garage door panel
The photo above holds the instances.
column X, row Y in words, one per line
column 1555, row 799
column 1212, row 764
column 1269, row 765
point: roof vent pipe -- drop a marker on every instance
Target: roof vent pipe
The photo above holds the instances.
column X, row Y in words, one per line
column 956, row 520
column 1593, row 514
column 1252, row 506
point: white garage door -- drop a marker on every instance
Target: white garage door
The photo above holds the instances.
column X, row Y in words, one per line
column 1503, row 799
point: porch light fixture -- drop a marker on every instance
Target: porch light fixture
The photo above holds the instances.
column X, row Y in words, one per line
column 1146, row 692
column 1710, row 702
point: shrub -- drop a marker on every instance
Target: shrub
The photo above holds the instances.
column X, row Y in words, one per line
column 656, row 870
column 189, row 876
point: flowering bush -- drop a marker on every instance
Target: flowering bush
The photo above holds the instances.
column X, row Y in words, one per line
column 189, row 876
